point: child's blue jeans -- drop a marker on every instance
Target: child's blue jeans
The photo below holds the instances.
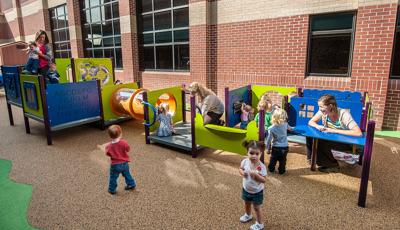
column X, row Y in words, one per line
column 32, row 65
column 243, row 124
column 117, row 169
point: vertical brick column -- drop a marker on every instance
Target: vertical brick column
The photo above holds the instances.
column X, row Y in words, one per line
column 20, row 24
column 372, row 54
column 75, row 30
column 129, row 41
column 198, row 31
column 391, row 120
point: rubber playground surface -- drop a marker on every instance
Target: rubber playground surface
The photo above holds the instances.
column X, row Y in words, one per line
column 68, row 183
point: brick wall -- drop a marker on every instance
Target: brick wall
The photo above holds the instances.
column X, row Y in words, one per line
column 5, row 31
column 276, row 54
column 263, row 43
column 391, row 120
column 159, row 80
column 372, row 54
column 74, row 23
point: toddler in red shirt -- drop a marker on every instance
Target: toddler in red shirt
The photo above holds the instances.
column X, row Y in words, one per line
column 118, row 150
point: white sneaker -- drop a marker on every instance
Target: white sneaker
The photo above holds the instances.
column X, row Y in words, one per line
column 257, row 226
column 246, row 218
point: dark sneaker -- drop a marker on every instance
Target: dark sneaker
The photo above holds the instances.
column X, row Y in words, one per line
column 129, row 187
column 282, row 172
column 112, row 193
column 328, row 169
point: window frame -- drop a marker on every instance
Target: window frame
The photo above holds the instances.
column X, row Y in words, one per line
column 397, row 30
column 331, row 32
column 65, row 29
column 84, row 9
column 154, row 31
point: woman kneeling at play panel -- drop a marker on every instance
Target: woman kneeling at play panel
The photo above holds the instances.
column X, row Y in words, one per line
column 211, row 106
column 334, row 120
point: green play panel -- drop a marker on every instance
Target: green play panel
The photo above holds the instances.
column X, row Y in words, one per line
column 395, row 134
column 14, row 200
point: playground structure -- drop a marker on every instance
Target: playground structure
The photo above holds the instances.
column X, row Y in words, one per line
column 195, row 135
column 84, row 100
column 69, row 104
column 1, row 80
column 302, row 108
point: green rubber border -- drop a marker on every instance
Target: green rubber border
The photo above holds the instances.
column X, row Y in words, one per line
column 395, row 134
column 14, row 200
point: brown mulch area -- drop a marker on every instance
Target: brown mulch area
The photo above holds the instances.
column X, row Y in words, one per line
column 176, row 191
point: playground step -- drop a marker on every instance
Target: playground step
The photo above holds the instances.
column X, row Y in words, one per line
column 182, row 140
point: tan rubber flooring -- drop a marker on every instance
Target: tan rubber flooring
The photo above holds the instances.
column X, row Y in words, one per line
column 176, row 191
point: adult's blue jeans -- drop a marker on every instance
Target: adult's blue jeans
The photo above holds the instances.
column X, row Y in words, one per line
column 117, row 169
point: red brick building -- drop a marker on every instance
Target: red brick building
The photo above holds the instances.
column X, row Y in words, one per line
column 344, row 44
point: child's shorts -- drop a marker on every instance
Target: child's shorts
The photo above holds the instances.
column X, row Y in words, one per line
column 256, row 199
column 243, row 124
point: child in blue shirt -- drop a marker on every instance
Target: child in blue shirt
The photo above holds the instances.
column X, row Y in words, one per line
column 52, row 75
column 277, row 134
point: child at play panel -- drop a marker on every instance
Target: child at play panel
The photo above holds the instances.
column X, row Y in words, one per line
column 253, row 172
column 52, row 75
column 266, row 104
column 246, row 116
column 166, row 127
column 118, row 150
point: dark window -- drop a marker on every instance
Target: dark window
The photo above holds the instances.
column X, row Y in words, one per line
column 164, row 34
column 331, row 44
column 101, row 30
column 395, row 73
column 60, row 32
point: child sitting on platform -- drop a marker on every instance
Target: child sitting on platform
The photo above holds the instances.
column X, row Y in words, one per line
column 166, row 127
column 33, row 58
column 52, row 76
column 246, row 116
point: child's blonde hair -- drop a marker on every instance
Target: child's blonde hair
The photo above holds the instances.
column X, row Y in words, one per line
column 114, row 131
column 279, row 116
column 262, row 105
column 265, row 102
column 164, row 108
